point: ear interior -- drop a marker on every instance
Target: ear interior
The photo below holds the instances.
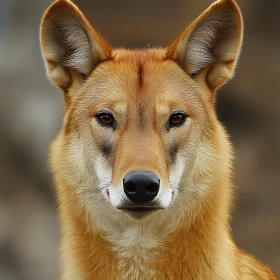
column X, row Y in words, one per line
column 210, row 45
column 71, row 48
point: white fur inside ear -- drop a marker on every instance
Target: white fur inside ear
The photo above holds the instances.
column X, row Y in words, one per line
column 70, row 46
column 77, row 39
column 69, row 43
column 210, row 46
column 209, row 42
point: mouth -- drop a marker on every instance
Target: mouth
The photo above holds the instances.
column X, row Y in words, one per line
column 139, row 212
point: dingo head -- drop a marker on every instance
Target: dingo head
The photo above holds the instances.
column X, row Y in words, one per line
column 140, row 131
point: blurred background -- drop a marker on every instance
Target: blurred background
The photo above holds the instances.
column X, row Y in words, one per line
column 31, row 112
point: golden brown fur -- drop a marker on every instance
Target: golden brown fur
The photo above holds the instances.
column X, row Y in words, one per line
column 190, row 237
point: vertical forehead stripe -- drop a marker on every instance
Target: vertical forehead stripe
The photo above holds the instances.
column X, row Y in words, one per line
column 140, row 74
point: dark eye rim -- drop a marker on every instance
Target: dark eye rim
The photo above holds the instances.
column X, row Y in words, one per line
column 184, row 117
column 98, row 118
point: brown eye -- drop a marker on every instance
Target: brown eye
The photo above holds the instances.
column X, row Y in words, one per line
column 105, row 119
column 177, row 119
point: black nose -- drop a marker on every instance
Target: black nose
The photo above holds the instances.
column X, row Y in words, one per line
column 141, row 187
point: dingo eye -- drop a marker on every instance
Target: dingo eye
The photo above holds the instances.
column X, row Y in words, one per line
column 105, row 119
column 177, row 119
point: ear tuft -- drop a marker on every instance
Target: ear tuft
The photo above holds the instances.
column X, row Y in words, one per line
column 69, row 44
column 210, row 45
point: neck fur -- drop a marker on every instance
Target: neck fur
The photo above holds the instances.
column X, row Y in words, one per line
column 190, row 244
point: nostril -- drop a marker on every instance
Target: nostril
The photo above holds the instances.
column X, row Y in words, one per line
column 152, row 188
column 130, row 187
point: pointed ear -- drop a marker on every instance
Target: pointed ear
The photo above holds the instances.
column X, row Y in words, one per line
column 70, row 46
column 209, row 48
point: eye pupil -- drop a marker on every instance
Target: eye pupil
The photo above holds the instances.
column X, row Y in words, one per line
column 177, row 119
column 106, row 118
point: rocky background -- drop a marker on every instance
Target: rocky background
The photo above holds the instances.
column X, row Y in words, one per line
column 31, row 111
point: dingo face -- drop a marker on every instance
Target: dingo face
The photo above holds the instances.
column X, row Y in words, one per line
column 152, row 122
column 140, row 132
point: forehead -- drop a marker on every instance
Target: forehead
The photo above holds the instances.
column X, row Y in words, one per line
column 140, row 78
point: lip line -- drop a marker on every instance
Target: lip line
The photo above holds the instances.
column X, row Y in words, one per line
column 139, row 208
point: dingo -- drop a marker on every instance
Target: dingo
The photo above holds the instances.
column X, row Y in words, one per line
column 142, row 166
